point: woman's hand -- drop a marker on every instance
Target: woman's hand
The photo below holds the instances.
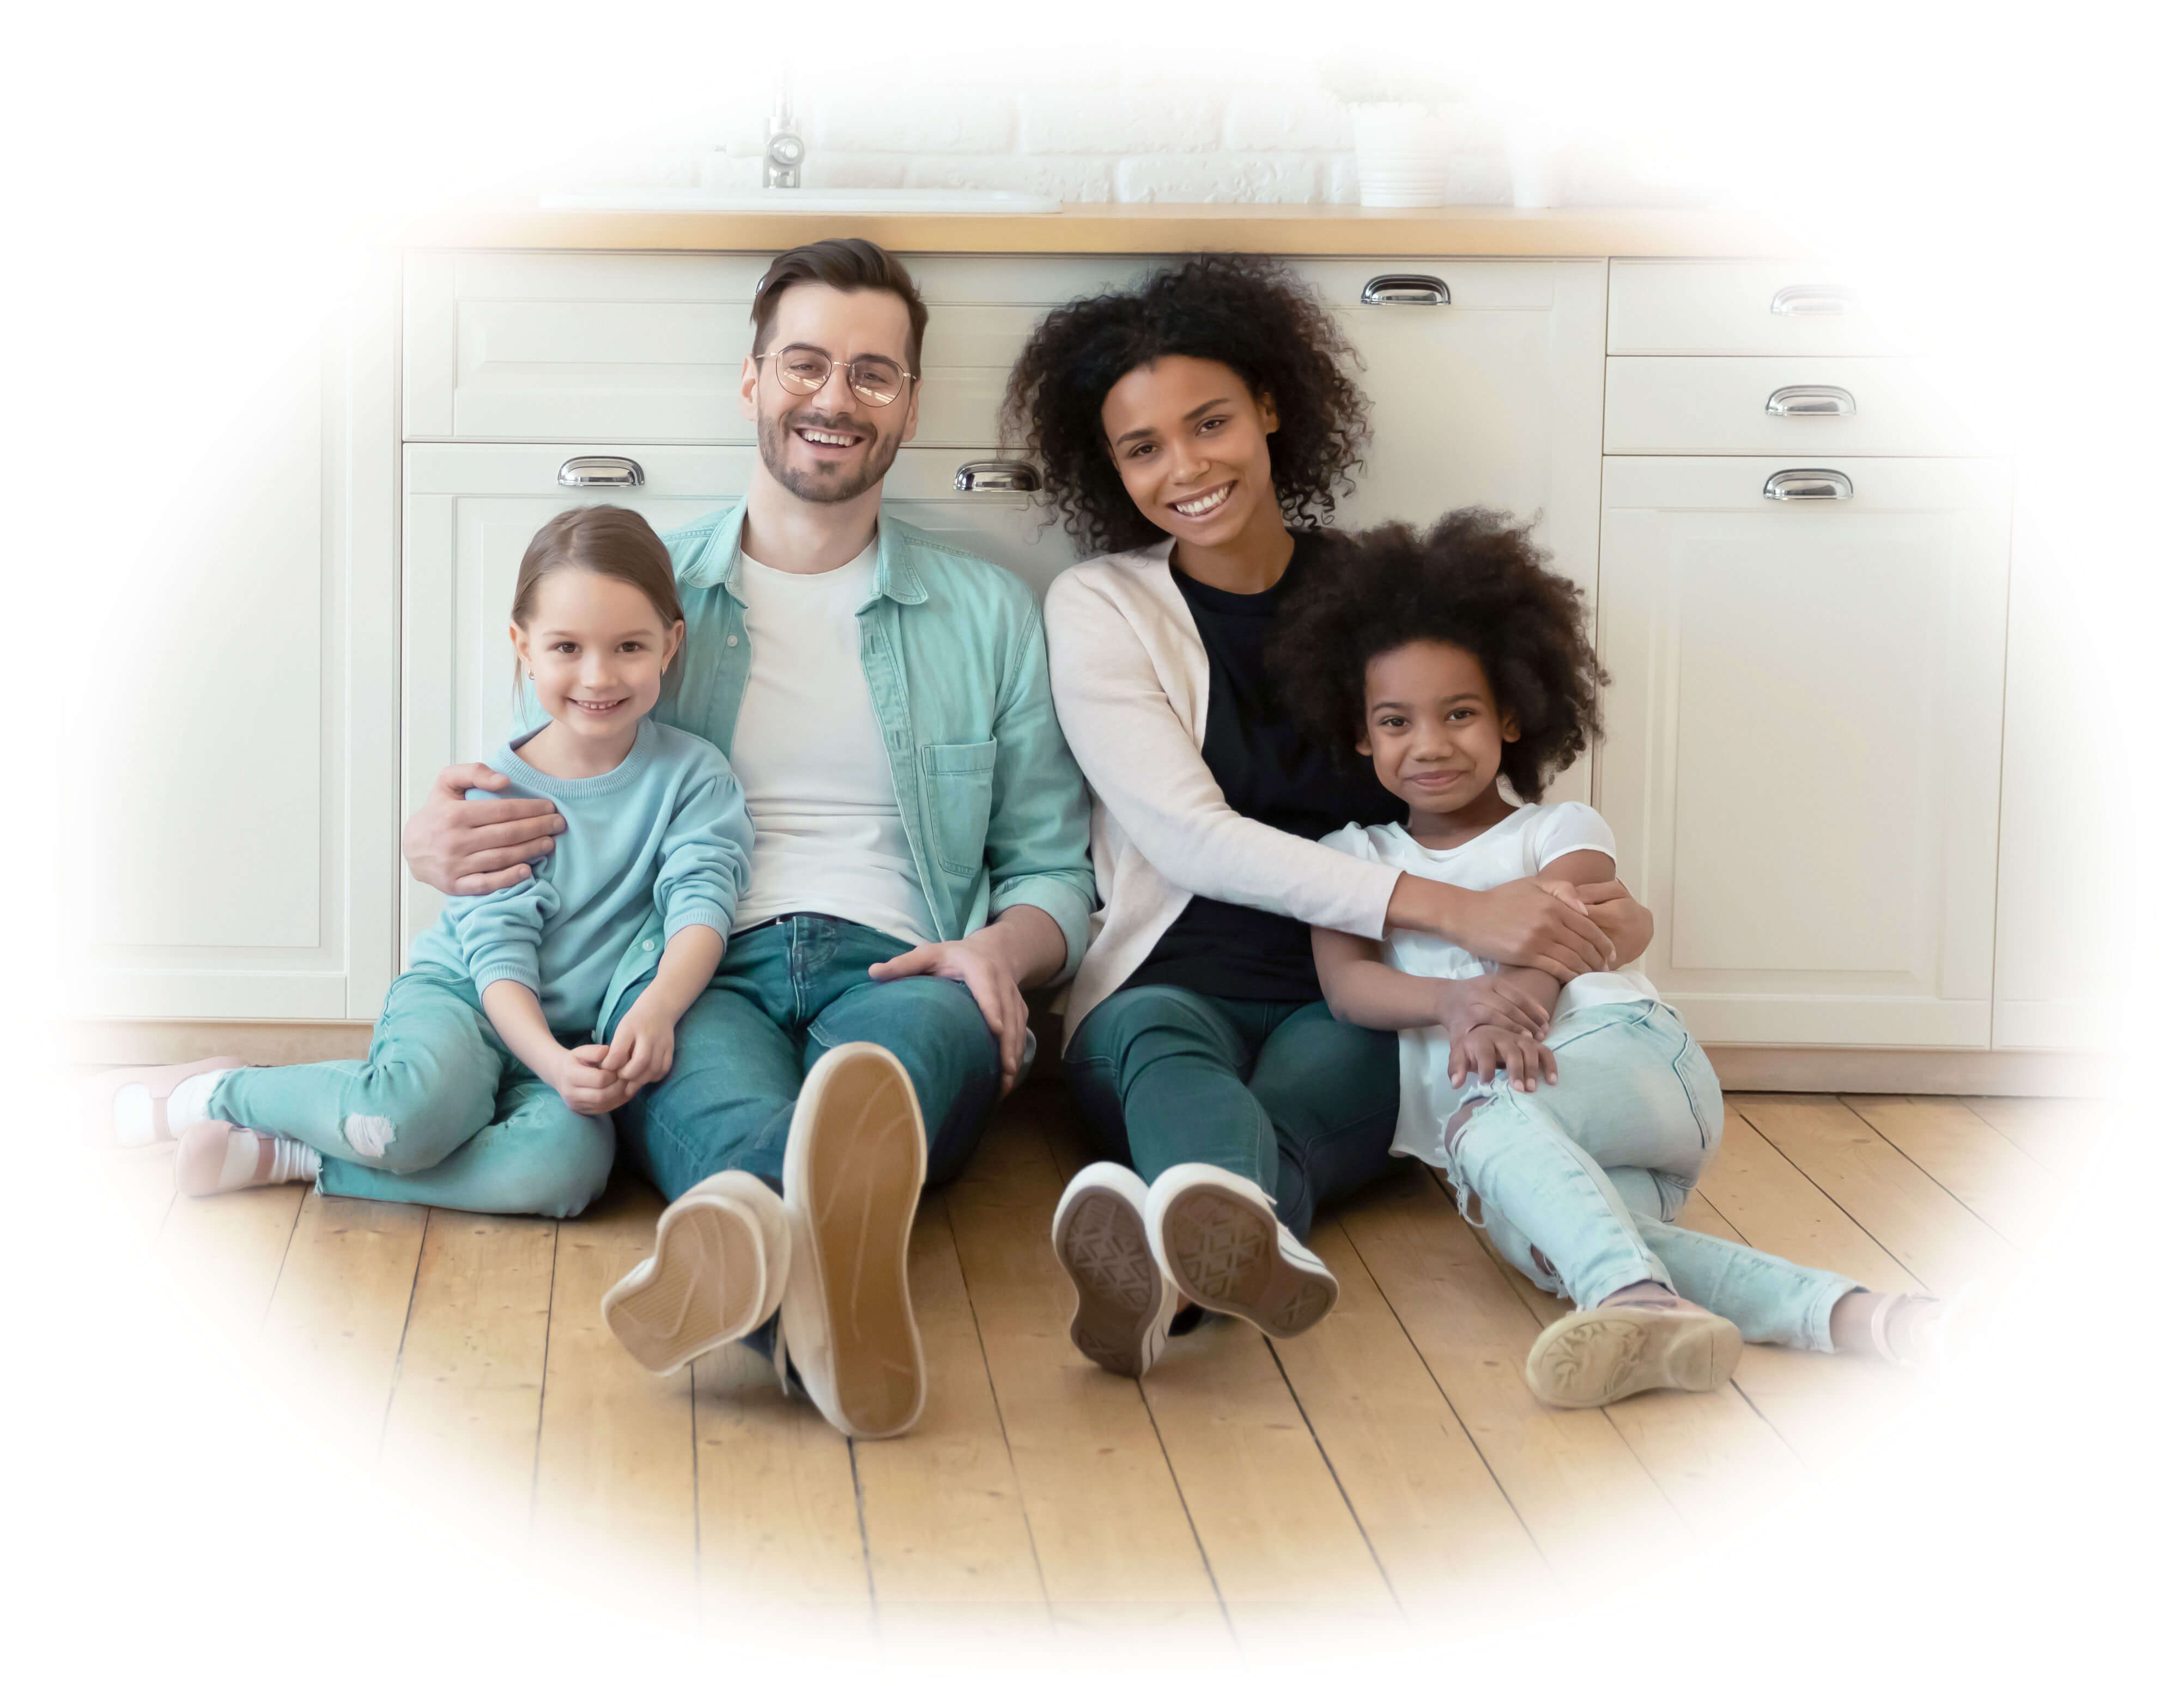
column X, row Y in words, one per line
column 1522, row 925
column 643, row 1047
column 467, row 849
column 1484, row 1049
column 1487, row 1001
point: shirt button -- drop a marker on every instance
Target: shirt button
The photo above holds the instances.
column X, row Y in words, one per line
column 731, row 639
column 648, row 944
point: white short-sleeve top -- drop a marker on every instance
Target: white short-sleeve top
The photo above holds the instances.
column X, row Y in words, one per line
column 1526, row 843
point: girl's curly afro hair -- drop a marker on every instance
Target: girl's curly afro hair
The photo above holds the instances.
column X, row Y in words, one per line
column 1252, row 313
column 1474, row 580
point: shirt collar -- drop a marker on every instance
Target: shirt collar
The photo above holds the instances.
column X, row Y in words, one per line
column 895, row 576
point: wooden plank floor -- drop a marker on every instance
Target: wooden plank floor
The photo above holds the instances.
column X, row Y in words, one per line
column 1388, row 1466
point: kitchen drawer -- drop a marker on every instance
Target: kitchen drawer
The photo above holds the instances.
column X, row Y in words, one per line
column 1899, row 407
column 1758, row 307
column 650, row 346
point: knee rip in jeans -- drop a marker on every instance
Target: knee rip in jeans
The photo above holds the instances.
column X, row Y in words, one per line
column 370, row 1135
column 1467, row 1200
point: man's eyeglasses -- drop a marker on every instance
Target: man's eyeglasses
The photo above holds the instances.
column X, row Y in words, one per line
column 803, row 370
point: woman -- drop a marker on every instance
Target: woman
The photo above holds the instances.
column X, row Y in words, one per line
column 1194, row 431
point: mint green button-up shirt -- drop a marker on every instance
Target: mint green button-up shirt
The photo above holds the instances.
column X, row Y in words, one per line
column 955, row 657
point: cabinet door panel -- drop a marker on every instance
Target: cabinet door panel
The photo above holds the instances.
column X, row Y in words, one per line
column 229, row 794
column 2061, row 959
column 1803, row 740
column 1667, row 307
column 1906, row 407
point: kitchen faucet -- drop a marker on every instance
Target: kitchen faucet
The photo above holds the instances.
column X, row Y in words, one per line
column 784, row 147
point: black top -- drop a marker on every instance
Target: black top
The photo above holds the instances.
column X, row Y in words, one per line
column 1268, row 772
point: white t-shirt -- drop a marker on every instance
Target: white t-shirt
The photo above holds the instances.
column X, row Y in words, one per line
column 830, row 837
column 1516, row 847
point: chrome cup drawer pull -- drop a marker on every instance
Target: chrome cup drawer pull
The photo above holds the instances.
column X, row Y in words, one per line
column 1793, row 484
column 1405, row 290
column 997, row 476
column 1818, row 301
column 602, row 471
column 1811, row 401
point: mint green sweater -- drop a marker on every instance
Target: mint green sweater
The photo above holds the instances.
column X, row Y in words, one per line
column 664, row 836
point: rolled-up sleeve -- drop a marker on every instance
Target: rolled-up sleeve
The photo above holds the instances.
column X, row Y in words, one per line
column 1038, row 838
column 500, row 931
column 704, row 866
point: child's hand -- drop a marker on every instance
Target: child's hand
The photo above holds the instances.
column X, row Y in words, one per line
column 643, row 1047
column 1487, row 999
column 1484, row 1049
column 586, row 1085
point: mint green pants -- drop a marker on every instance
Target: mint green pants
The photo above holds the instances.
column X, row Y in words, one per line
column 438, row 1111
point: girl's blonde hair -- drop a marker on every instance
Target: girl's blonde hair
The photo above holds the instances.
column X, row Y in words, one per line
column 605, row 539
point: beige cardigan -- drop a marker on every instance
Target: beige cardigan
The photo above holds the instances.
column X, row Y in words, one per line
column 1130, row 678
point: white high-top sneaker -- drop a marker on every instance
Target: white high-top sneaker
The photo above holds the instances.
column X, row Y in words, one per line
column 1125, row 1302
column 1215, row 1235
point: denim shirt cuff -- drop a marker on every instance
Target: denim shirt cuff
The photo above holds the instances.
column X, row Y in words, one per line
column 1068, row 906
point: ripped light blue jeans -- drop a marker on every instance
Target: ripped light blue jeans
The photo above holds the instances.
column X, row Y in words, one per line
column 1577, row 1184
column 438, row 1111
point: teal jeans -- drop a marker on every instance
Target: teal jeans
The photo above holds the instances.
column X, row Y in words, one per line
column 1283, row 1094
column 1577, row 1184
column 438, row 1111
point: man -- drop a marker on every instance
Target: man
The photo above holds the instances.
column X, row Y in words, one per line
column 922, row 855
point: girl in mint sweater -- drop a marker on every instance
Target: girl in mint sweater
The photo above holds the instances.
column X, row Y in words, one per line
column 487, row 1086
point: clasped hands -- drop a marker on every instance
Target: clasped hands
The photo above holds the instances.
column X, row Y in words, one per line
column 1494, row 1024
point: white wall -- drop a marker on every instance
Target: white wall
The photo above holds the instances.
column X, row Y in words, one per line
column 1098, row 134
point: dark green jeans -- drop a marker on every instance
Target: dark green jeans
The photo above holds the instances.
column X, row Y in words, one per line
column 1283, row 1094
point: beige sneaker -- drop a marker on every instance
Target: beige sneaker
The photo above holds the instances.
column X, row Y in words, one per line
column 1594, row 1356
column 1216, row 1238
column 1125, row 1303
column 716, row 1273
column 852, row 1172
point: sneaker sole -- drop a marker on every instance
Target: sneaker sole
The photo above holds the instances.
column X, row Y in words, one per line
column 866, row 1162
column 699, row 1289
column 1101, row 1240
column 1225, row 1252
column 1597, row 1355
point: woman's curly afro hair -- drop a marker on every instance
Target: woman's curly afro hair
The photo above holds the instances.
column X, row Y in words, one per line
column 1473, row 580
column 1252, row 313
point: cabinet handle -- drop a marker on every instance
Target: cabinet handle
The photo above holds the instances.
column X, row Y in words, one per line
column 1819, row 301
column 1811, row 401
column 997, row 476
column 602, row 471
column 1806, row 484
column 1406, row 290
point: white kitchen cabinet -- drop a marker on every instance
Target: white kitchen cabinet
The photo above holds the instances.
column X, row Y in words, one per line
column 2060, row 959
column 1803, row 742
column 230, row 802
column 1781, row 407
column 1758, row 307
column 472, row 509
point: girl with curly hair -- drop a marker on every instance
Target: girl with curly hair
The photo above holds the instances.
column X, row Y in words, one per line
column 1457, row 661
column 1194, row 431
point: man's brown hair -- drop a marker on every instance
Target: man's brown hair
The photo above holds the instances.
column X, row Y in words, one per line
column 851, row 266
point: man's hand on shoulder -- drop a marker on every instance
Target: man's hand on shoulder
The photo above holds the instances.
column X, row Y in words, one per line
column 466, row 848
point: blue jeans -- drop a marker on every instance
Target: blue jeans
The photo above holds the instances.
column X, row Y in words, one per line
column 438, row 1111
column 784, row 994
column 1283, row 1094
column 1577, row 1184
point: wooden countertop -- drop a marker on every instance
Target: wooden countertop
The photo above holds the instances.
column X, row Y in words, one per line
column 1336, row 231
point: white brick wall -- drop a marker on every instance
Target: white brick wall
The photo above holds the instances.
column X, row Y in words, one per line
column 1098, row 135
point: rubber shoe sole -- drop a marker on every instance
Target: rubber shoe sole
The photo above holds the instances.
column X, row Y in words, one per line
column 1592, row 1356
column 1124, row 1302
column 703, row 1286
column 853, row 1171
column 1223, row 1247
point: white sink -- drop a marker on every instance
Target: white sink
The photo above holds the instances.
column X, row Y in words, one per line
column 920, row 201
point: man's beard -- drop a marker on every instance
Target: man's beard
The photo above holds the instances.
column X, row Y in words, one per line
column 820, row 488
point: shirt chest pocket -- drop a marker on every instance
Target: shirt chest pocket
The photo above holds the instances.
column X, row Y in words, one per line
column 959, row 797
